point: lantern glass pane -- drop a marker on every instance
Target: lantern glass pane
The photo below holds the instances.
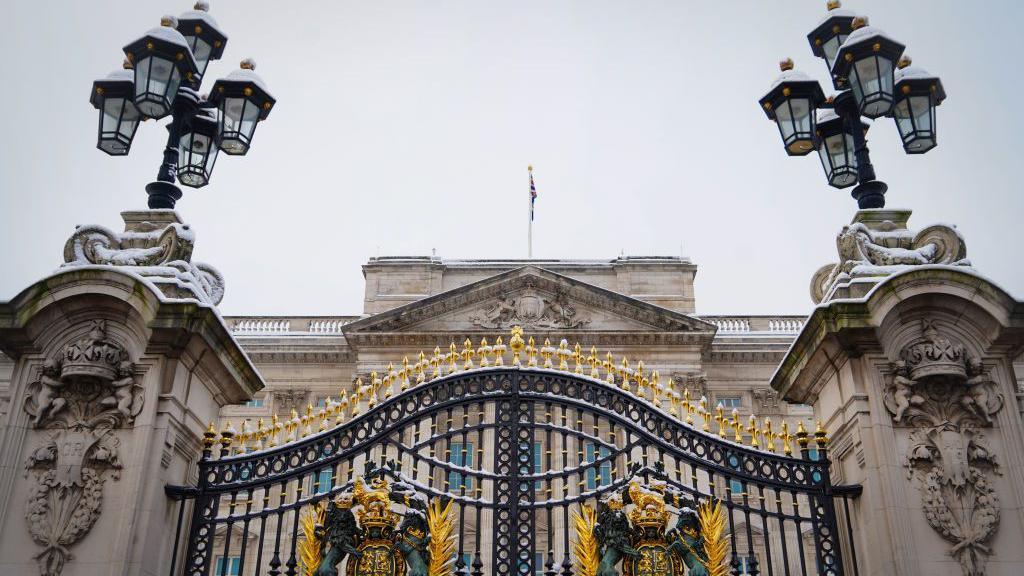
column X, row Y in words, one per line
column 129, row 120
column 831, row 48
column 156, row 84
column 238, row 122
column 871, row 80
column 111, row 114
column 920, row 106
column 836, row 153
column 196, row 154
column 794, row 120
column 201, row 50
column 901, row 112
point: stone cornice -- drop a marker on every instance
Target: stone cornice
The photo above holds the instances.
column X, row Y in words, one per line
column 175, row 323
column 849, row 325
column 605, row 339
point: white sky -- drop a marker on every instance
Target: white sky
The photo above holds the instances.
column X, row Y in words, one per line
column 403, row 127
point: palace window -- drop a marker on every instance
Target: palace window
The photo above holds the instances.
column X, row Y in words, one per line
column 460, row 454
column 228, row 568
column 323, row 481
column 538, row 465
column 736, row 487
column 730, row 402
column 255, row 402
column 746, row 565
column 321, row 401
column 602, row 475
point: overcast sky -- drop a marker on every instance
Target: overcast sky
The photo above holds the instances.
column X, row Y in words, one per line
column 404, row 127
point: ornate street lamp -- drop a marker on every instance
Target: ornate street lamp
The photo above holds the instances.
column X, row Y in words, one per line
column 164, row 69
column 113, row 97
column 862, row 63
column 917, row 95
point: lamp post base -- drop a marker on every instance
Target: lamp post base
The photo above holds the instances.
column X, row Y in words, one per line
column 162, row 194
column 870, row 194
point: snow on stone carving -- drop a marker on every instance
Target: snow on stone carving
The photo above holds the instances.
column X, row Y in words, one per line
column 946, row 397
column 83, row 393
column 160, row 252
column 531, row 310
column 883, row 249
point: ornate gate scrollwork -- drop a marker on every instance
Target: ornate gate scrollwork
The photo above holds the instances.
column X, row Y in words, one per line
column 516, row 451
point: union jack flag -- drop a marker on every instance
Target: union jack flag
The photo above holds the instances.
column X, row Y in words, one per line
column 533, row 195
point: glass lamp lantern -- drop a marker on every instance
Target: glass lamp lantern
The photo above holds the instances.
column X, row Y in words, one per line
column 162, row 60
column 791, row 102
column 917, row 95
column 204, row 38
column 242, row 101
column 836, row 150
column 830, row 33
column 197, row 151
column 865, row 63
column 119, row 118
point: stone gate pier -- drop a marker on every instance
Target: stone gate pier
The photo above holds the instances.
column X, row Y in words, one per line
column 912, row 359
column 120, row 360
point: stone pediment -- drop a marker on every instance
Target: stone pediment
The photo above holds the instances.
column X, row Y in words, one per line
column 534, row 298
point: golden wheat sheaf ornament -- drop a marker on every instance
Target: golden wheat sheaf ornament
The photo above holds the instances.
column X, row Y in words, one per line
column 585, row 548
column 310, row 552
column 712, row 519
column 441, row 522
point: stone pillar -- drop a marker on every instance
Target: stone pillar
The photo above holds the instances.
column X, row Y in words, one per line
column 120, row 360
column 909, row 361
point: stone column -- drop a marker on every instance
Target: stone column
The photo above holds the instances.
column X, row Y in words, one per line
column 909, row 361
column 120, row 360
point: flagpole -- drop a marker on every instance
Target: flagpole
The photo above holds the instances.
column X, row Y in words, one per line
column 529, row 213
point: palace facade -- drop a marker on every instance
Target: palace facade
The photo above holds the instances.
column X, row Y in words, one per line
column 636, row 307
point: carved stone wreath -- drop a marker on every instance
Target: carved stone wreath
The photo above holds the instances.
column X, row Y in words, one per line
column 83, row 394
column 947, row 397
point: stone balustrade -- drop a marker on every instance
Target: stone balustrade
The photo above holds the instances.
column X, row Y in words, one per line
column 282, row 325
column 728, row 325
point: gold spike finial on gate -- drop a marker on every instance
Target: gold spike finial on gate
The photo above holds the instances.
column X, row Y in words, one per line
column 577, row 356
column 546, row 352
column 687, row 406
column 467, row 354
column 769, row 436
column 453, row 358
column 753, row 431
column 484, row 351
column 609, row 367
column 435, row 363
column 421, row 368
column 625, row 373
column 594, row 362
column 801, row 436
column 499, row 352
column 531, row 352
column 820, row 436
column 705, row 414
column 737, row 428
column 516, row 344
column 563, row 355
column 403, row 374
column 787, row 449
column 720, row 419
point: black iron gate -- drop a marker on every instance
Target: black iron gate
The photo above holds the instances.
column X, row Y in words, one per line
column 517, row 449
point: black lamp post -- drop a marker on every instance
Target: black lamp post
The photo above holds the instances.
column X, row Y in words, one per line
column 875, row 79
column 164, row 69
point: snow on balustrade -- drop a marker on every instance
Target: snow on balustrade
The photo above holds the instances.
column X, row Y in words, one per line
column 738, row 325
column 327, row 326
column 262, row 327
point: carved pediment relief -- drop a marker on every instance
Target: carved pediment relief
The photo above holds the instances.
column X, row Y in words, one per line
column 529, row 297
